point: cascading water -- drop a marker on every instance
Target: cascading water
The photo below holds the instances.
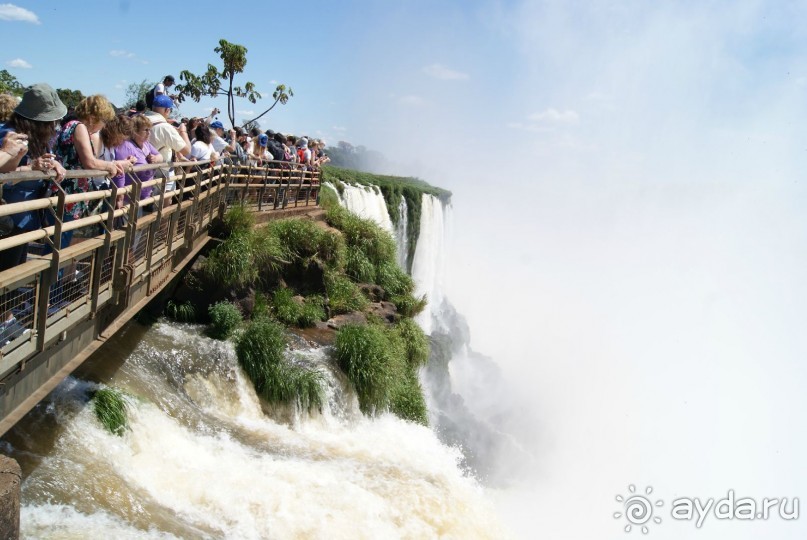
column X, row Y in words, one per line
column 429, row 263
column 401, row 231
column 367, row 202
column 202, row 459
column 470, row 406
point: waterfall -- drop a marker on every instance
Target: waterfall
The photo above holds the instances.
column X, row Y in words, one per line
column 401, row 231
column 429, row 263
column 203, row 459
column 367, row 202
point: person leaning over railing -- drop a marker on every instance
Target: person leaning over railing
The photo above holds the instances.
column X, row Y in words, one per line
column 75, row 148
column 7, row 105
column 171, row 142
column 202, row 148
column 36, row 116
column 139, row 147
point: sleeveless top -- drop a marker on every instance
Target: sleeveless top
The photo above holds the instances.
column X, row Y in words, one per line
column 65, row 150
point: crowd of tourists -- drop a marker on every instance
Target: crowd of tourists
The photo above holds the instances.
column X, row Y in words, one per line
column 39, row 133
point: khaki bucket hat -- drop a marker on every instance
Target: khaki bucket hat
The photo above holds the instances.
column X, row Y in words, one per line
column 41, row 103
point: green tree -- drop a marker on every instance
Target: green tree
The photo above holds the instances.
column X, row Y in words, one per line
column 137, row 91
column 215, row 82
column 70, row 98
column 9, row 84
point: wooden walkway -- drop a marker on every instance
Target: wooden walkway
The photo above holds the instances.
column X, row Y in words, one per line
column 61, row 304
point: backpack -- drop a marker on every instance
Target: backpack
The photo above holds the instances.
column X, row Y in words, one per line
column 150, row 97
column 301, row 155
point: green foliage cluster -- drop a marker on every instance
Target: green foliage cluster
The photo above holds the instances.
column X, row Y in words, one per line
column 305, row 241
column 238, row 220
column 232, row 263
column 221, row 82
column 224, row 319
column 371, row 259
column 344, row 295
column 111, row 410
column 376, row 360
column 260, row 353
column 180, row 311
column 291, row 312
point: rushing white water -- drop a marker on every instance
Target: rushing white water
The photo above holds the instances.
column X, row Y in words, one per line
column 401, row 232
column 429, row 263
column 203, row 460
column 367, row 202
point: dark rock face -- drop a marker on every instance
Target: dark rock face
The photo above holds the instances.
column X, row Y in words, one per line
column 385, row 311
column 339, row 321
column 374, row 292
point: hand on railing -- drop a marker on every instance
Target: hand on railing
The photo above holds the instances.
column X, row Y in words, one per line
column 47, row 163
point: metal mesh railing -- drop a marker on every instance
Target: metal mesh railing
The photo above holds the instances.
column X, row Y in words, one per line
column 107, row 265
column 17, row 311
column 72, row 285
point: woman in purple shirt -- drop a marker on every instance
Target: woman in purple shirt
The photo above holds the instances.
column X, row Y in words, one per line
column 139, row 147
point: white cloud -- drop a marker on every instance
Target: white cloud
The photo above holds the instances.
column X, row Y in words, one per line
column 10, row 12
column 439, row 71
column 411, row 100
column 339, row 128
column 18, row 63
column 246, row 113
column 553, row 116
column 120, row 53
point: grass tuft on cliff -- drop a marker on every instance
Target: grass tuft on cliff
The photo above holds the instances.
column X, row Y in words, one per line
column 260, row 351
column 382, row 364
column 224, row 319
column 111, row 410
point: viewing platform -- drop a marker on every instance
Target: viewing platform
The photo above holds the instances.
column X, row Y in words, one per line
column 61, row 304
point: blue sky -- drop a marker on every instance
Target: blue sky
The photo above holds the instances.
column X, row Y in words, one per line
column 604, row 85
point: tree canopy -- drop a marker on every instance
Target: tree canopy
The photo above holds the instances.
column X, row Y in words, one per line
column 9, row 84
column 137, row 91
column 70, row 98
column 221, row 82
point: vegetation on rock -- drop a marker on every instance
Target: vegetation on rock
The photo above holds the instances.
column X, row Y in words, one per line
column 260, row 351
column 110, row 409
column 224, row 319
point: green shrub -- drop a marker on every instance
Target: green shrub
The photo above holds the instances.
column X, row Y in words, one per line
column 304, row 239
column 238, row 220
column 359, row 267
column 262, row 307
column 111, row 410
column 394, row 280
column 415, row 342
column 293, row 313
column 344, row 296
column 313, row 311
column 269, row 254
column 180, row 311
column 285, row 308
column 407, row 305
column 232, row 262
column 224, row 318
column 260, row 353
column 364, row 355
column 407, row 401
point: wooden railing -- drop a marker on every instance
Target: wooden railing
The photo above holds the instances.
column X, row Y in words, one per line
column 119, row 257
